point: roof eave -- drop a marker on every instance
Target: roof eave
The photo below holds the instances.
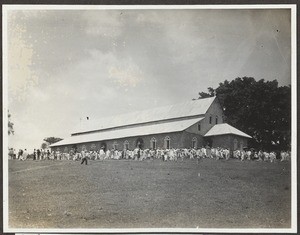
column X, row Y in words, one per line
column 246, row 136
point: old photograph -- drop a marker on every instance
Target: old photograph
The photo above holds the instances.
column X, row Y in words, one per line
column 149, row 118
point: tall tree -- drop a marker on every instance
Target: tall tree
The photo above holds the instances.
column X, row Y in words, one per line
column 259, row 108
column 52, row 140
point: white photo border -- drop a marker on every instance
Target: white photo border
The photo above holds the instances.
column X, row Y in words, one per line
column 292, row 7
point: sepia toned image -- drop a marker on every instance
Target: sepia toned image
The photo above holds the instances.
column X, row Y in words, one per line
column 151, row 119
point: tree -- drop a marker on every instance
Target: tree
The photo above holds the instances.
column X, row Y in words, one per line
column 211, row 93
column 259, row 108
column 44, row 145
column 10, row 125
column 52, row 140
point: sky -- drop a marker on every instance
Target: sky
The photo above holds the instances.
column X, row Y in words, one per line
column 66, row 65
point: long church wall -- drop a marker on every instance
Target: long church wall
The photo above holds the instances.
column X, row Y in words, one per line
column 177, row 140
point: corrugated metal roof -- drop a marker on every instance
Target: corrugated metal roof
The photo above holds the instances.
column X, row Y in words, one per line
column 223, row 129
column 166, row 127
column 186, row 109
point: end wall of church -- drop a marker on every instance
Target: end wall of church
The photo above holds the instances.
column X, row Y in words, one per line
column 213, row 116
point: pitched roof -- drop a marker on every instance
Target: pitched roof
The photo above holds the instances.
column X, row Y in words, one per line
column 186, row 109
column 147, row 129
column 225, row 129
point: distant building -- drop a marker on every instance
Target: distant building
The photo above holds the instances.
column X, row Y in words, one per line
column 186, row 125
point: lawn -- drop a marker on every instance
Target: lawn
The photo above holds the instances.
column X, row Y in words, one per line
column 149, row 194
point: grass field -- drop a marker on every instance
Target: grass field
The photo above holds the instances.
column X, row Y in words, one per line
column 149, row 194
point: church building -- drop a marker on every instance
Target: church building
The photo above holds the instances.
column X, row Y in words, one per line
column 191, row 124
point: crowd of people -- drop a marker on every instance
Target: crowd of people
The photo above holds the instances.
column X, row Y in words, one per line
column 172, row 154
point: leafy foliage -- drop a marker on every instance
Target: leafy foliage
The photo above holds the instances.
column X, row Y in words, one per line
column 52, row 140
column 211, row 93
column 44, row 145
column 259, row 108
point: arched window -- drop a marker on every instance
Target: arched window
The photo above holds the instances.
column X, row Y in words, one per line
column 194, row 142
column 216, row 119
column 115, row 145
column 93, row 146
column 199, row 126
column 139, row 143
column 235, row 144
column 210, row 119
column 241, row 145
column 66, row 149
column 153, row 143
column 126, row 144
column 167, row 142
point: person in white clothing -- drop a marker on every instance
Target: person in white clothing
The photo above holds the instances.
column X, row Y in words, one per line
column 25, row 154
column 107, row 154
column 101, row 154
column 84, row 157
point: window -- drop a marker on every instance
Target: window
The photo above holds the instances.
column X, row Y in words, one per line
column 115, row 145
column 167, row 142
column 126, row 144
column 210, row 119
column 216, row 119
column 140, row 143
column 153, row 143
column 199, row 126
column 241, row 145
column 194, row 142
column 66, row 149
column 83, row 148
column 93, row 146
column 235, row 144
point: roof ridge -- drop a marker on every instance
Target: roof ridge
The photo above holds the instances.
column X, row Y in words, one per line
column 157, row 107
column 160, row 113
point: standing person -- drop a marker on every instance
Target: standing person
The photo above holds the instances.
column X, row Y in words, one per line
column 227, row 153
column 101, row 154
column 34, row 154
column 83, row 157
column 48, row 154
column 135, row 153
column 208, row 151
column 139, row 153
column 38, row 153
column 20, row 153
column 260, row 155
column 25, row 154
column 217, row 153
column 42, row 154
column 107, row 155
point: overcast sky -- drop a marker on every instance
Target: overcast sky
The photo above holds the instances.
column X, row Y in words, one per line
column 64, row 65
